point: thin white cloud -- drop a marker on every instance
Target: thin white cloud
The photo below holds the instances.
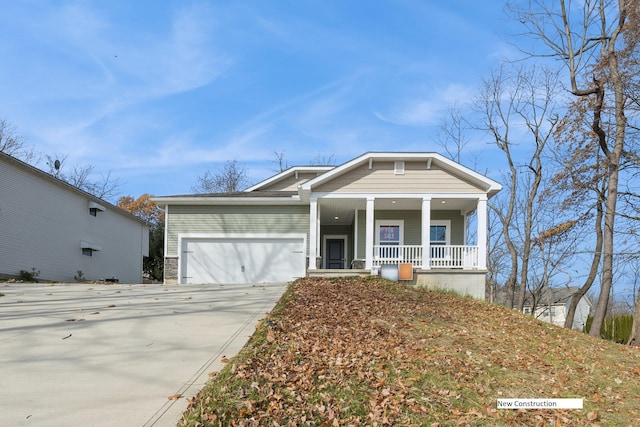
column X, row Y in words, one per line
column 427, row 109
column 182, row 151
column 103, row 71
column 138, row 64
column 142, row 87
column 286, row 125
column 412, row 113
column 190, row 58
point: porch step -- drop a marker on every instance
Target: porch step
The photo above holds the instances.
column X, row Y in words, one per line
column 339, row 273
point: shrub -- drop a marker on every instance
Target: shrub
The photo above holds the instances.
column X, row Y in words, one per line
column 29, row 276
column 615, row 328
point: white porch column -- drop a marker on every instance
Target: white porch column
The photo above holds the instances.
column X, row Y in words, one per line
column 426, row 233
column 482, row 233
column 313, row 233
column 369, row 233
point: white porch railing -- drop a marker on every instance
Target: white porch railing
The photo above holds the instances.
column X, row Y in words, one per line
column 387, row 254
column 442, row 256
column 454, row 256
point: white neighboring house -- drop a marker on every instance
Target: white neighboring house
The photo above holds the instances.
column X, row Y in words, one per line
column 59, row 230
column 554, row 307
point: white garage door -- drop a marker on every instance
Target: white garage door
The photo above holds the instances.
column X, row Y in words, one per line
column 242, row 259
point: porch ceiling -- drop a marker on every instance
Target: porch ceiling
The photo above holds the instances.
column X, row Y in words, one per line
column 341, row 211
column 462, row 205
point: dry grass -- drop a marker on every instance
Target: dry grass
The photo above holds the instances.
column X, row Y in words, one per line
column 372, row 352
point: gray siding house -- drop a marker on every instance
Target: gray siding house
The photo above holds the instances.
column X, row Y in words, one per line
column 375, row 211
column 58, row 229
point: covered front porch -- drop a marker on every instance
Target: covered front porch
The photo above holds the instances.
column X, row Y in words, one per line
column 363, row 233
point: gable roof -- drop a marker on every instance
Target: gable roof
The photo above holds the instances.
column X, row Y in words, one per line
column 288, row 173
column 557, row 296
column 283, row 187
column 487, row 184
column 66, row 186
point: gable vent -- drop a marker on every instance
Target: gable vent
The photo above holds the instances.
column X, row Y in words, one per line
column 398, row 168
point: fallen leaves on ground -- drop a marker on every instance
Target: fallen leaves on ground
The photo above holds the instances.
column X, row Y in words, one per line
column 372, row 352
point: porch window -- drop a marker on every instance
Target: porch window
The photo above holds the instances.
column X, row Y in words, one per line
column 389, row 233
column 440, row 235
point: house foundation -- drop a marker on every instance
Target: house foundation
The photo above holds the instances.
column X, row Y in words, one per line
column 464, row 282
column 171, row 270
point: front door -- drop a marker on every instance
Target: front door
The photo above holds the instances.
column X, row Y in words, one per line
column 335, row 253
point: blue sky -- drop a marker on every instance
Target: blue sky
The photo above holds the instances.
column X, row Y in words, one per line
column 159, row 92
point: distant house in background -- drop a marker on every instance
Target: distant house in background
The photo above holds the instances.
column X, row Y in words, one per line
column 553, row 307
column 57, row 229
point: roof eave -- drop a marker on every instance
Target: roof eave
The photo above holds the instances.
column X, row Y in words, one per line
column 491, row 187
column 163, row 201
column 284, row 174
column 63, row 184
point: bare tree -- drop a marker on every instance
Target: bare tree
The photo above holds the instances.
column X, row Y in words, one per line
column 498, row 123
column 318, row 160
column 452, row 134
column 80, row 176
column 323, row 160
column 588, row 38
column 582, row 181
column 511, row 103
column 497, row 256
column 281, row 162
column 634, row 338
column 13, row 144
column 232, row 177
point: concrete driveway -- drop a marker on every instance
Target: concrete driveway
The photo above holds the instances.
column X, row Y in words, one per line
column 111, row 355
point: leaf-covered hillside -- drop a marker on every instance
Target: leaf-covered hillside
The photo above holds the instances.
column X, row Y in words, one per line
column 372, row 352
